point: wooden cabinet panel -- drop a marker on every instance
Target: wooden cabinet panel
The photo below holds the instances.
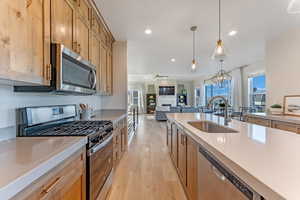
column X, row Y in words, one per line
column 259, row 121
column 65, row 182
column 95, row 24
column 23, row 40
column 103, row 64
column 174, row 144
column 62, row 23
column 109, row 74
column 82, row 37
column 182, row 155
column 84, row 9
column 192, row 169
column 169, row 136
column 285, row 126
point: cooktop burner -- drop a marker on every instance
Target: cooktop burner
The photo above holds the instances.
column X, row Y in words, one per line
column 76, row 128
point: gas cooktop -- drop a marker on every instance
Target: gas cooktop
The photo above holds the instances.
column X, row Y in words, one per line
column 76, row 128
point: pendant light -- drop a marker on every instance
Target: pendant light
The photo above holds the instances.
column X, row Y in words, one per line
column 219, row 52
column 194, row 67
column 221, row 78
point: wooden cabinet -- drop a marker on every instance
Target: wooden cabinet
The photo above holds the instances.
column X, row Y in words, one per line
column 120, row 140
column 182, row 156
column 82, row 37
column 63, row 23
column 95, row 23
column 192, row 169
column 285, row 126
column 174, row 145
column 109, row 74
column 67, row 181
column 169, row 136
column 84, row 9
column 103, row 72
column 95, row 55
column 259, row 121
column 25, row 41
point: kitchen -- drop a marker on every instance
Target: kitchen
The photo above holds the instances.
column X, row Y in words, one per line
column 69, row 130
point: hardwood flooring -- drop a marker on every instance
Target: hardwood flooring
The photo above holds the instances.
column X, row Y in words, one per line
column 146, row 172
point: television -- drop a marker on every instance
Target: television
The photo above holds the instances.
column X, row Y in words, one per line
column 166, row 90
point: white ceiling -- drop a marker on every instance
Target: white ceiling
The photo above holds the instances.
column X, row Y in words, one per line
column 170, row 20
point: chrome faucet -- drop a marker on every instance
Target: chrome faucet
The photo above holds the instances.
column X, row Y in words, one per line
column 226, row 117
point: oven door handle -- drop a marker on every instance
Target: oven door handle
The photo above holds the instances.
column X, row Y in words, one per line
column 99, row 146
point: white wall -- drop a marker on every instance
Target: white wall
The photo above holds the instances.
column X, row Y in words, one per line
column 10, row 100
column 283, row 66
column 119, row 98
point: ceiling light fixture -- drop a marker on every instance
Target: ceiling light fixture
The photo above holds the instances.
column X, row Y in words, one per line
column 173, row 60
column 148, row 31
column 219, row 52
column 193, row 29
column 232, row 33
column 294, row 7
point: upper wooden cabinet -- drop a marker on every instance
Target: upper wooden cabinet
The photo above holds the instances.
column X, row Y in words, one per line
column 95, row 23
column 82, row 37
column 84, row 9
column 103, row 66
column 109, row 74
column 25, row 44
column 63, row 23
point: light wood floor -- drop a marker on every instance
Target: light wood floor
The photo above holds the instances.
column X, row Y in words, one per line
column 146, row 172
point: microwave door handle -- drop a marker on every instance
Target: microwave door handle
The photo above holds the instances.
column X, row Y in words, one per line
column 95, row 79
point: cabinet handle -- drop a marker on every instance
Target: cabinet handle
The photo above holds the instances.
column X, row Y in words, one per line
column 79, row 48
column 75, row 46
column 79, row 3
column 47, row 190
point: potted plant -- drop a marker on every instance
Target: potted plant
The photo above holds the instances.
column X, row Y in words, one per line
column 276, row 109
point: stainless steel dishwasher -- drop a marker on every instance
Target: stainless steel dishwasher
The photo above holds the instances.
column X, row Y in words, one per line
column 216, row 182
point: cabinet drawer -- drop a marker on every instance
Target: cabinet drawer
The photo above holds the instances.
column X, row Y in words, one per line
column 259, row 121
column 285, row 126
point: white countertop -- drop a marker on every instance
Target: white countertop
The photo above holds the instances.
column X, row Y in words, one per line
column 283, row 118
column 266, row 159
column 25, row 159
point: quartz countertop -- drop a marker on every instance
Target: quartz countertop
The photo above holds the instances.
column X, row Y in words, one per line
column 266, row 159
column 25, row 159
column 283, row 118
column 110, row 115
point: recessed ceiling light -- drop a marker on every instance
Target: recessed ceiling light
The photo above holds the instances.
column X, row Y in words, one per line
column 148, row 31
column 173, row 60
column 232, row 33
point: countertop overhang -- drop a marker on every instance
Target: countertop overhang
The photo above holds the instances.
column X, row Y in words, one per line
column 25, row 159
column 266, row 159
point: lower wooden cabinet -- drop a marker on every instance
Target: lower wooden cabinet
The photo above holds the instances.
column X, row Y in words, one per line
column 65, row 182
column 285, row 126
column 184, row 153
column 120, row 141
column 259, row 121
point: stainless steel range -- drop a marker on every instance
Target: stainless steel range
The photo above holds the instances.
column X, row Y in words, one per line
column 62, row 121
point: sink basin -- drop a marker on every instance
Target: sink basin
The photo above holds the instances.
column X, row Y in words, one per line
column 210, row 127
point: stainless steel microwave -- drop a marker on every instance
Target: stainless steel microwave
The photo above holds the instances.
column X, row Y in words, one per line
column 70, row 74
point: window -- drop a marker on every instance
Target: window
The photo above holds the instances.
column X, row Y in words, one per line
column 257, row 92
column 133, row 97
column 214, row 90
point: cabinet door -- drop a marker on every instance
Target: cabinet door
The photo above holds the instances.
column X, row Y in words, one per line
column 95, row 23
column 95, row 55
column 103, row 63
column 62, row 23
column 84, row 9
column 23, row 35
column 109, row 74
column 174, row 145
column 82, row 37
column 182, row 151
column 192, row 169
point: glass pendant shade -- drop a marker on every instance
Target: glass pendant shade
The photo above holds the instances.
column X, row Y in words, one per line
column 219, row 52
column 194, row 65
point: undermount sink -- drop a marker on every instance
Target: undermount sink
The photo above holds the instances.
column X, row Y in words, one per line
column 210, row 127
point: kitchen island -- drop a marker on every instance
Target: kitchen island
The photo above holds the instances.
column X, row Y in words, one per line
column 266, row 159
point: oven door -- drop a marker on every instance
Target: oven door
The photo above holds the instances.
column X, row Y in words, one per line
column 74, row 74
column 100, row 163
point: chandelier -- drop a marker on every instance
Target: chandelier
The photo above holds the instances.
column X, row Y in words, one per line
column 221, row 78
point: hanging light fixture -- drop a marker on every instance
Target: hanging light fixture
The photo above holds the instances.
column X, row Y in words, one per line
column 219, row 52
column 194, row 67
column 221, row 78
